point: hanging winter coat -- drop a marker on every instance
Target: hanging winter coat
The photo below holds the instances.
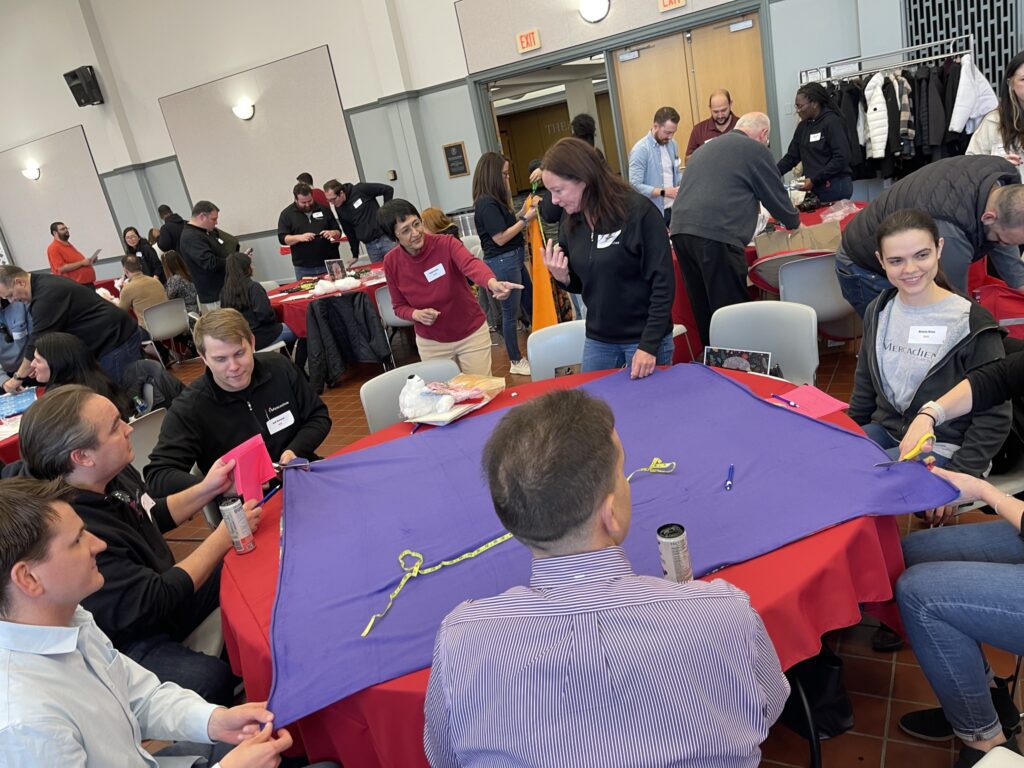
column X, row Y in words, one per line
column 877, row 117
column 974, row 98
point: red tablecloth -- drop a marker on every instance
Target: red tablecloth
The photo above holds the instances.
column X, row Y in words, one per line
column 802, row 591
column 9, row 449
column 293, row 313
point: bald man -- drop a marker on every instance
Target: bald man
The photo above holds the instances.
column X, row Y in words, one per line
column 716, row 214
column 722, row 121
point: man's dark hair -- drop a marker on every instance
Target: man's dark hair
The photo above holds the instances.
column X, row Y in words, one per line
column 305, row 178
column 549, row 464
column 302, row 189
column 666, row 115
column 393, row 212
column 1009, row 206
column 9, row 273
column 27, row 517
column 584, row 127
column 334, row 186
column 53, row 227
column 163, row 210
column 204, row 207
column 53, row 428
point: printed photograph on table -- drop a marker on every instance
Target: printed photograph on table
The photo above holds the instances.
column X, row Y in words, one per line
column 747, row 360
column 335, row 269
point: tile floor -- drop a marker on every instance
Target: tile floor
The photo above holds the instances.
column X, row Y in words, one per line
column 882, row 686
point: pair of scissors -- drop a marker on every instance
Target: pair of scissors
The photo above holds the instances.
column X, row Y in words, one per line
column 912, row 454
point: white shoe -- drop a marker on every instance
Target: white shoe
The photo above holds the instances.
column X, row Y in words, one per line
column 520, row 368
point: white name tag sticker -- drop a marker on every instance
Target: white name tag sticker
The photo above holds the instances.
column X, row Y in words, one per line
column 318, row 214
column 220, row 241
column 927, row 334
column 434, row 272
column 279, row 422
column 357, row 202
column 603, row 241
column 815, row 137
column 148, row 503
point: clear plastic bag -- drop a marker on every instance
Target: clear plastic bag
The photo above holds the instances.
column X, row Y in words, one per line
column 840, row 211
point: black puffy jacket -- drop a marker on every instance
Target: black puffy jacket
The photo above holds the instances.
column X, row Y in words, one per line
column 955, row 189
column 341, row 330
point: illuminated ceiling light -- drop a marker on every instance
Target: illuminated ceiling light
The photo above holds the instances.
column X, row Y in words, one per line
column 31, row 173
column 594, row 10
column 244, row 110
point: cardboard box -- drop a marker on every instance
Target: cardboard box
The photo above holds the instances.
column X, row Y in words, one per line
column 818, row 237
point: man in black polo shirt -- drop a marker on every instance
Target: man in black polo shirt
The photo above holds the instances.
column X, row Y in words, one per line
column 203, row 253
column 357, row 209
column 58, row 304
column 310, row 230
column 147, row 604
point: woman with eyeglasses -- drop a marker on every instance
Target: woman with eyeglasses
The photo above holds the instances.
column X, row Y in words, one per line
column 427, row 276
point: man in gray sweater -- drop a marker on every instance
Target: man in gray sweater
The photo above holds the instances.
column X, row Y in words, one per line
column 716, row 211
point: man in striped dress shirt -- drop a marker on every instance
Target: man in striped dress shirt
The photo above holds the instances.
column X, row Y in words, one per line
column 592, row 665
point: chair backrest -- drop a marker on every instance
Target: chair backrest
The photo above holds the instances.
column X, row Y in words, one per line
column 789, row 331
column 270, row 285
column 379, row 395
column 477, row 250
column 812, row 281
column 554, row 347
column 387, row 310
column 1001, row 757
column 764, row 273
column 145, row 431
column 167, row 319
column 471, row 242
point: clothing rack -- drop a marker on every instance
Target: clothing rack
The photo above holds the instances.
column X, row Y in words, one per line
column 844, row 68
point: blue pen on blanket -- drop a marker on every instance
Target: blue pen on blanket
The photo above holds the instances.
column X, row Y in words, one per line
column 728, row 479
column 790, row 403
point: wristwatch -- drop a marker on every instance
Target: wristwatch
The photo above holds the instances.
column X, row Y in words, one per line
column 522, row 219
column 661, row 193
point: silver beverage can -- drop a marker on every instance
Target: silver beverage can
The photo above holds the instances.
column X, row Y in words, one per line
column 238, row 525
column 675, row 553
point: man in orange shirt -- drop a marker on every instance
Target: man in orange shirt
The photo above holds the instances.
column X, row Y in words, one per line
column 67, row 260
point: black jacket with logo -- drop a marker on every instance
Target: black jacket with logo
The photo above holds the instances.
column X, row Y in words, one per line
column 205, row 257
column 292, row 221
column 206, row 422
column 170, row 233
column 358, row 214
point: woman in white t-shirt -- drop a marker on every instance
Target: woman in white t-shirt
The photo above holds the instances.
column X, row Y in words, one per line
column 920, row 339
column 1001, row 131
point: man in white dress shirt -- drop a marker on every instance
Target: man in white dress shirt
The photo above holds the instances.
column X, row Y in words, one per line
column 67, row 697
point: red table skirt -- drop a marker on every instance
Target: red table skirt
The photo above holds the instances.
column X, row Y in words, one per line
column 9, row 451
column 802, row 591
column 293, row 313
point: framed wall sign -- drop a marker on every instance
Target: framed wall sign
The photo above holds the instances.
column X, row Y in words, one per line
column 455, row 159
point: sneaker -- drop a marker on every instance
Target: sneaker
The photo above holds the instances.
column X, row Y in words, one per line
column 970, row 756
column 520, row 367
column 932, row 725
column 884, row 639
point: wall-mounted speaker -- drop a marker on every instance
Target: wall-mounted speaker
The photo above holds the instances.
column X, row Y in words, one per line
column 83, row 85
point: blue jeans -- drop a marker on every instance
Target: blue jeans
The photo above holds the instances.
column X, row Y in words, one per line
column 859, row 285
column 287, row 335
column 378, row 248
column 962, row 588
column 303, row 272
column 509, row 266
column 602, row 356
column 116, row 360
column 891, row 445
column 839, row 188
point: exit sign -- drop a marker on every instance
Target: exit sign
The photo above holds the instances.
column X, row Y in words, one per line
column 528, row 41
column 670, row 5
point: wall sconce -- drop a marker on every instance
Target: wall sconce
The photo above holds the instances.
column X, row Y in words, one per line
column 244, row 110
column 31, row 173
column 594, row 10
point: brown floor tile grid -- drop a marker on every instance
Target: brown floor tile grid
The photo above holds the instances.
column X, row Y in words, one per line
column 882, row 686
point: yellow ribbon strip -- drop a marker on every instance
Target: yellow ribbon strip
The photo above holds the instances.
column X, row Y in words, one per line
column 415, row 567
column 656, row 467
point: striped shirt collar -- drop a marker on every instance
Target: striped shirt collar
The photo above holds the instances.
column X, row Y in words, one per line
column 566, row 570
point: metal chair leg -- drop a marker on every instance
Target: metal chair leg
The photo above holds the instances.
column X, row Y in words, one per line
column 812, row 729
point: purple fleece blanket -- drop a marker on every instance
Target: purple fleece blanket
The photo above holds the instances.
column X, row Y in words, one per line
column 348, row 519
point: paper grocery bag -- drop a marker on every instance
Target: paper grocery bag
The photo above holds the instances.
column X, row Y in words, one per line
column 818, row 237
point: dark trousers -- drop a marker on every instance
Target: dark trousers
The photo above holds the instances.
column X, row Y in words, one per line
column 116, row 360
column 171, row 662
column 715, row 275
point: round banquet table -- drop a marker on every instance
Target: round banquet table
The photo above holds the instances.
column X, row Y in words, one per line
column 802, row 591
column 292, row 311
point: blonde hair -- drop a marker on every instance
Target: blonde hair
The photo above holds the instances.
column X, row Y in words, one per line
column 227, row 325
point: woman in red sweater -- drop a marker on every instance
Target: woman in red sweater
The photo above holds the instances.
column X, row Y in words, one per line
column 427, row 279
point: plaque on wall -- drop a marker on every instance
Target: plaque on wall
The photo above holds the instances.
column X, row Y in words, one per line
column 455, row 158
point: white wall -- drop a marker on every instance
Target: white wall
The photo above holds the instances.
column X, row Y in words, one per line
column 433, row 48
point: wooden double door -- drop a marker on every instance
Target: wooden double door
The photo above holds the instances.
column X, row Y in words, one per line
column 682, row 69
